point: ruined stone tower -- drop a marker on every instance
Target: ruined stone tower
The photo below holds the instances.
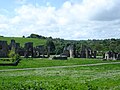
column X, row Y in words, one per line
column 3, row 49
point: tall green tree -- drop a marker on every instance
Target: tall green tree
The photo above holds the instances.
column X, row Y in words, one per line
column 50, row 46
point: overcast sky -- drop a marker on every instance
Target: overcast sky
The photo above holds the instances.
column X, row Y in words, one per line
column 68, row 19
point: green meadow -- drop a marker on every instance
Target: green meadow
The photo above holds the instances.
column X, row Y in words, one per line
column 101, row 77
column 46, row 74
column 22, row 41
column 45, row 62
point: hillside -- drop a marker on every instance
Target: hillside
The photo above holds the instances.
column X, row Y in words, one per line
column 97, row 45
column 22, row 41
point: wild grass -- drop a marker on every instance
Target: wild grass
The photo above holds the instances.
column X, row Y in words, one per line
column 37, row 62
column 104, row 77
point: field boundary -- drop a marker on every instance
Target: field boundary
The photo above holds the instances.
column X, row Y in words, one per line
column 84, row 65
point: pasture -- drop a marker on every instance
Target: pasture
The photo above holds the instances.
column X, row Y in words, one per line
column 22, row 41
column 99, row 77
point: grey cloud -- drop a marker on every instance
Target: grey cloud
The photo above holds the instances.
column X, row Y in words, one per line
column 108, row 13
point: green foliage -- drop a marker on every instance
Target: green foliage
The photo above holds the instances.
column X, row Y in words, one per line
column 13, row 55
column 90, row 86
column 43, row 86
column 5, row 60
column 98, row 45
column 50, row 46
column 36, row 36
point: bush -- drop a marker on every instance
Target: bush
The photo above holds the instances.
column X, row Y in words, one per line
column 13, row 55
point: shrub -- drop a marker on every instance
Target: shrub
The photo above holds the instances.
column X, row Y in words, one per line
column 13, row 55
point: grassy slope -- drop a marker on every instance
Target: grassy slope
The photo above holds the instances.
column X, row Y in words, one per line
column 22, row 41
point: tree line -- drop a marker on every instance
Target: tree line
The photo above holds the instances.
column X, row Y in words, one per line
column 57, row 45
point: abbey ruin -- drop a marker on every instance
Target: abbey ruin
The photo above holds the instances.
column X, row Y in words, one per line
column 40, row 51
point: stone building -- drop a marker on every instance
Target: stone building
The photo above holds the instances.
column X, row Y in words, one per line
column 28, row 49
column 14, row 46
column 4, row 49
column 65, row 52
column 87, row 52
column 111, row 56
column 39, row 51
column 69, row 51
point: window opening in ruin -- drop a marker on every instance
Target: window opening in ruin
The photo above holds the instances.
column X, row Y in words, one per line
column 0, row 47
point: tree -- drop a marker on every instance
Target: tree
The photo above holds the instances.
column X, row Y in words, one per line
column 59, row 49
column 13, row 55
column 23, row 36
column 50, row 46
column 112, row 45
column 36, row 36
column 117, row 49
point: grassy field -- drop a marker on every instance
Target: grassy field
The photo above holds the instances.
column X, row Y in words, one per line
column 103, row 77
column 36, row 63
column 22, row 41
